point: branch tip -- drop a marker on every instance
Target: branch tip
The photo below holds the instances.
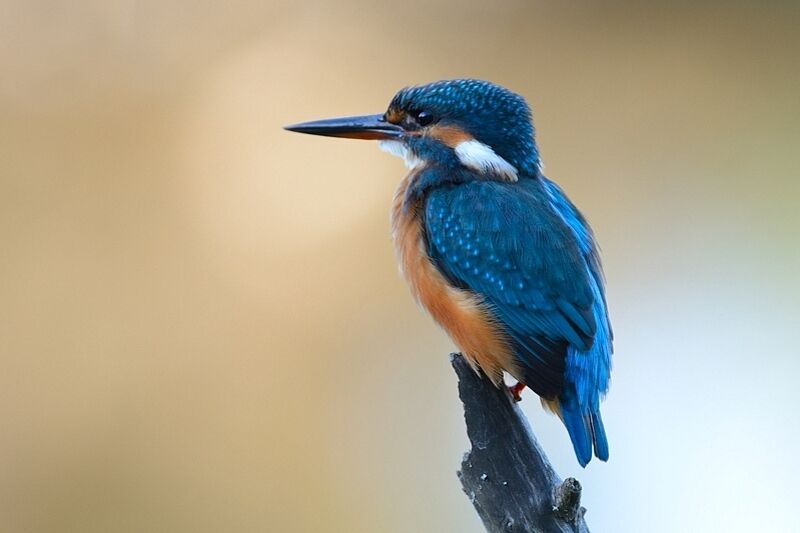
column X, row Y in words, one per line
column 568, row 500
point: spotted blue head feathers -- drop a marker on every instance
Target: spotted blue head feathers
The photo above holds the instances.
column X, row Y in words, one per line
column 493, row 115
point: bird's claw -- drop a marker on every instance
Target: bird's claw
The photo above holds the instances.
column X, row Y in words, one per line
column 516, row 391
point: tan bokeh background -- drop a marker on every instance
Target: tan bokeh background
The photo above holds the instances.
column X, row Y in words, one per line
column 202, row 327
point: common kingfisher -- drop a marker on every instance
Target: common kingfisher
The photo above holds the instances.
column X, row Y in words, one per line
column 495, row 251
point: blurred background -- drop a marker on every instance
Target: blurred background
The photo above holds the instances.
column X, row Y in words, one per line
column 202, row 327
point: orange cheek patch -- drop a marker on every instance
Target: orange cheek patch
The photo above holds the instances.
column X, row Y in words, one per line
column 451, row 136
column 394, row 115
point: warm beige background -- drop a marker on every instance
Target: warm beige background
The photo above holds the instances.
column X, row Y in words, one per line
column 201, row 324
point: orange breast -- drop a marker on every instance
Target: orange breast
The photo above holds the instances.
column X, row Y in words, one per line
column 460, row 313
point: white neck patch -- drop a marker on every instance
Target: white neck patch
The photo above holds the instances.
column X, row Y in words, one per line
column 478, row 156
column 401, row 150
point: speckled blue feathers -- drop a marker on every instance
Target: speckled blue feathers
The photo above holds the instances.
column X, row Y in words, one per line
column 520, row 245
column 526, row 250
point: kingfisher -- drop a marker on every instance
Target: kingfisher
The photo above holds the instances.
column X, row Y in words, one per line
column 495, row 251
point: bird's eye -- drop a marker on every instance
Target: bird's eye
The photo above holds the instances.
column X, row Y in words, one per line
column 424, row 118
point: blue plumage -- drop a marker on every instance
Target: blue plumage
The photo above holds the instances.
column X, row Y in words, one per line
column 527, row 251
column 503, row 234
column 588, row 370
column 523, row 247
column 495, row 115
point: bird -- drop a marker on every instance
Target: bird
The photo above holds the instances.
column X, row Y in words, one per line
column 494, row 250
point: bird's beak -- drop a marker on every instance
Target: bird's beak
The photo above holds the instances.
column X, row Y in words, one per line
column 370, row 127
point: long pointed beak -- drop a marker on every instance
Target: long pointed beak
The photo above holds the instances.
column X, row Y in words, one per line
column 370, row 127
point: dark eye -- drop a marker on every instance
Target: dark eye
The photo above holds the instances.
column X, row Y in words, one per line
column 424, row 118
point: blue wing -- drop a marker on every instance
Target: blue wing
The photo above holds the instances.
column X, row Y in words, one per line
column 509, row 245
column 527, row 251
column 588, row 371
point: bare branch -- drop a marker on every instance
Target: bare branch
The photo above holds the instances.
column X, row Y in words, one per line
column 506, row 474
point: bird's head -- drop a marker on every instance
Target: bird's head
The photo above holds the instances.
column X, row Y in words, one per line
column 470, row 123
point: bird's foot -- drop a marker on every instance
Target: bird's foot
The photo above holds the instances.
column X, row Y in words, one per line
column 516, row 391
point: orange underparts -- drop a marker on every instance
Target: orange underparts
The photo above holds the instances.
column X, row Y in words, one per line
column 462, row 314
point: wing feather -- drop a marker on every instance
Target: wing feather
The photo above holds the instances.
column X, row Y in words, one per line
column 508, row 245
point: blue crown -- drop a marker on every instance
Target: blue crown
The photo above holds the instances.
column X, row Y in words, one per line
column 490, row 113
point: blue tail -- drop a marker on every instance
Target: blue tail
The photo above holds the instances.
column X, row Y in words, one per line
column 585, row 430
column 599, row 437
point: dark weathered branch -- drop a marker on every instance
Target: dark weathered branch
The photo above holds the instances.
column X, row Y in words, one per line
column 506, row 474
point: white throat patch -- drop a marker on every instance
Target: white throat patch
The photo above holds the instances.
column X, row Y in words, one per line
column 400, row 150
column 478, row 156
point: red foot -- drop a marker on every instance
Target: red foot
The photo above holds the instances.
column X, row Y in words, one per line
column 516, row 391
